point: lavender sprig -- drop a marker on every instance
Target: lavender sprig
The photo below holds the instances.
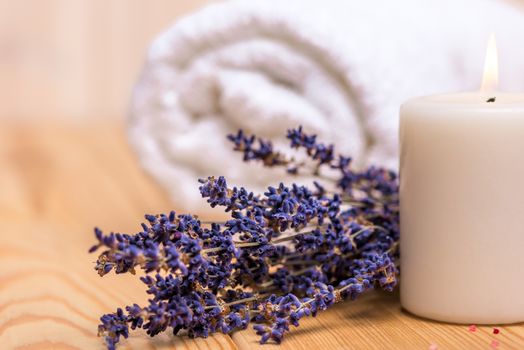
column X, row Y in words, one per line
column 282, row 255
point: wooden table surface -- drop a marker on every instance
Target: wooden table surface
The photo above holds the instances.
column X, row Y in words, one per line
column 57, row 182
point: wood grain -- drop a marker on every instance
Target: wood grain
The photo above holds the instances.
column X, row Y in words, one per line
column 55, row 185
column 57, row 182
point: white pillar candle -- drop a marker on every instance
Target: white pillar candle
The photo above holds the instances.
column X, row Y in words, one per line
column 462, row 207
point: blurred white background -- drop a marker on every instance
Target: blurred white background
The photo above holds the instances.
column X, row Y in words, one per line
column 78, row 59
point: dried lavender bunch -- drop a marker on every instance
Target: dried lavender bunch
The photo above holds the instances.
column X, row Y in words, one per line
column 282, row 255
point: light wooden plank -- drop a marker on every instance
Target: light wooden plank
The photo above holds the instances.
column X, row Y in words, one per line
column 376, row 321
column 57, row 182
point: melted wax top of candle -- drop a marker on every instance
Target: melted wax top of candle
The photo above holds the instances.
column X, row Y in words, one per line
column 495, row 100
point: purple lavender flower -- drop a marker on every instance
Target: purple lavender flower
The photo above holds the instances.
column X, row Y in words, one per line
column 282, row 255
column 264, row 152
column 113, row 327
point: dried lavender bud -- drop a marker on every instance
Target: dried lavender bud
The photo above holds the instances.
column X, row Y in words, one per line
column 282, row 255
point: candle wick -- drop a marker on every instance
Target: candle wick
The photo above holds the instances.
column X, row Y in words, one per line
column 491, row 99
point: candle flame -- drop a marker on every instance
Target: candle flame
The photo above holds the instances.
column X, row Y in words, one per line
column 490, row 79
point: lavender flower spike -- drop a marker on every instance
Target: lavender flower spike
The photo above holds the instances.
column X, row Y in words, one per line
column 281, row 255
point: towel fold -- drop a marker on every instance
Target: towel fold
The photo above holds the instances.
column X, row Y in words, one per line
column 339, row 68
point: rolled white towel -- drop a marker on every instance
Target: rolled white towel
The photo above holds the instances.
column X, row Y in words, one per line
column 339, row 68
